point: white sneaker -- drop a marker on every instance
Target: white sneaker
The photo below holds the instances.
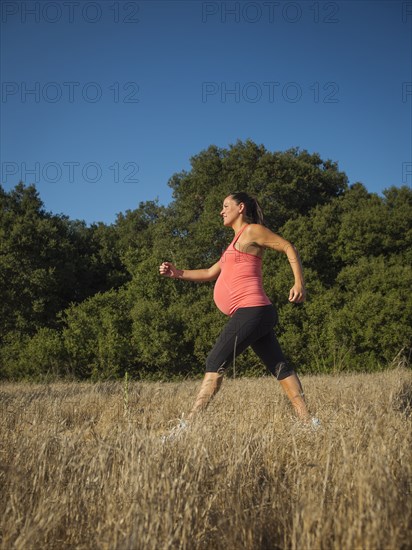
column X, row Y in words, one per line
column 311, row 425
column 315, row 423
column 176, row 432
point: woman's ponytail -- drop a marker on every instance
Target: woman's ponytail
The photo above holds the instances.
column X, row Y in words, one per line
column 253, row 210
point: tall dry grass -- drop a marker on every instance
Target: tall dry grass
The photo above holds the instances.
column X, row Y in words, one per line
column 83, row 466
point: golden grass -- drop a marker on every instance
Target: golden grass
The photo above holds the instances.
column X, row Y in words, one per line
column 81, row 467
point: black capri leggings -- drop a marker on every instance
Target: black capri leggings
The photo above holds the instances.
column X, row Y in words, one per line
column 250, row 326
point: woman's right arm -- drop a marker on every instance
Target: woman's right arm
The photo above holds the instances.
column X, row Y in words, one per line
column 200, row 275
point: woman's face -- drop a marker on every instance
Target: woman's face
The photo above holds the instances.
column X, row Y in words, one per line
column 230, row 211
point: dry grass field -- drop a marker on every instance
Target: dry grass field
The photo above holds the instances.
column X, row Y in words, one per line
column 83, row 466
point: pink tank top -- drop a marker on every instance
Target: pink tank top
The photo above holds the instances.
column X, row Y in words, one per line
column 240, row 280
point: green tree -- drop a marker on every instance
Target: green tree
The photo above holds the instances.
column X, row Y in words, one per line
column 119, row 314
column 97, row 336
column 33, row 249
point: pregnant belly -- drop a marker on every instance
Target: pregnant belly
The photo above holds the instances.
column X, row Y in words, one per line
column 221, row 295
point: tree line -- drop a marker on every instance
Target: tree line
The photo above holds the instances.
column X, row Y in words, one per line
column 88, row 302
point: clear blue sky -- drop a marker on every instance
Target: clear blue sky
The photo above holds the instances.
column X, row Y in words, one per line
column 330, row 77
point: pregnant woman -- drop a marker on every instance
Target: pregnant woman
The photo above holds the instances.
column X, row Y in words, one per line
column 239, row 294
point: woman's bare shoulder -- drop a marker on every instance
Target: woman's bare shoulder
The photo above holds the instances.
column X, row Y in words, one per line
column 264, row 237
column 257, row 230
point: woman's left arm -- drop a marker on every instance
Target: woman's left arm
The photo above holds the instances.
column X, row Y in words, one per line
column 267, row 239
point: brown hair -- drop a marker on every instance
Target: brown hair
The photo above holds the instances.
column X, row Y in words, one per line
column 253, row 211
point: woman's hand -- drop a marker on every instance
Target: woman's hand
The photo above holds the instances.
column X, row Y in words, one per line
column 169, row 270
column 297, row 294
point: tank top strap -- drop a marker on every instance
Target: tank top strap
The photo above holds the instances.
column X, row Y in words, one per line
column 238, row 235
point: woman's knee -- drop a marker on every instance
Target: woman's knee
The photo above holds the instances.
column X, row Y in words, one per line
column 282, row 370
column 215, row 365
